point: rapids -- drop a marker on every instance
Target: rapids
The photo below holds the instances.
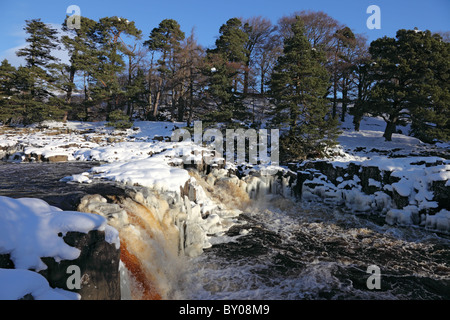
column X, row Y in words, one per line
column 312, row 252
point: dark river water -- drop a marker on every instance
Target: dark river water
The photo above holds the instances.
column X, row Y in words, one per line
column 42, row 180
column 312, row 253
column 281, row 249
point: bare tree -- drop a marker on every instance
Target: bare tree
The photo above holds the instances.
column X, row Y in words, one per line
column 188, row 78
column 265, row 59
column 320, row 28
column 260, row 30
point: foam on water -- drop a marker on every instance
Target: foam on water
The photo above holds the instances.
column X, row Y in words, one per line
column 313, row 252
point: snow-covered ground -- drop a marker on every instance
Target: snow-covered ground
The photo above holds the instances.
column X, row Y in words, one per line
column 414, row 164
column 369, row 142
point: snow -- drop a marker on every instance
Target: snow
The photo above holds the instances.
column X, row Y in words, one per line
column 30, row 229
column 78, row 178
column 152, row 172
column 401, row 217
column 415, row 174
column 405, row 158
column 374, row 183
column 369, row 141
column 7, row 143
column 16, row 283
column 403, row 187
column 440, row 221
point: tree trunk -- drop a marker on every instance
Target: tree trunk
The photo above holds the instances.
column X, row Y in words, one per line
column 191, row 98
column 150, row 80
column 262, row 81
column 181, row 108
column 344, row 103
column 130, row 71
column 390, row 129
column 334, row 101
column 357, row 122
column 174, row 105
column 246, row 79
column 157, row 98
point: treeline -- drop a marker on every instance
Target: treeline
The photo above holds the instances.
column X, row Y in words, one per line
column 311, row 68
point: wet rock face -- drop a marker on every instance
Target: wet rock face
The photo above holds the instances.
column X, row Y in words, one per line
column 98, row 264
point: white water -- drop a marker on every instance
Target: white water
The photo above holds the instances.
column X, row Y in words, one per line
column 315, row 253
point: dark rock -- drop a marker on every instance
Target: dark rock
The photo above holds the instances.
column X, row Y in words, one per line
column 98, row 263
column 441, row 193
column 6, row 262
column 369, row 173
column 388, row 178
column 28, row 296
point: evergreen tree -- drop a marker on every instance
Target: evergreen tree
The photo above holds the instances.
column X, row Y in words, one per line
column 165, row 40
column 362, row 83
column 225, row 64
column 345, row 39
column 136, row 90
column 41, row 41
column 83, row 54
column 411, row 74
column 220, row 88
column 106, row 87
column 35, row 80
column 298, row 88
column 7, row 92
column 431, row 119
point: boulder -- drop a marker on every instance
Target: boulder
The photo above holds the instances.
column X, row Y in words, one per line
column 98, row 263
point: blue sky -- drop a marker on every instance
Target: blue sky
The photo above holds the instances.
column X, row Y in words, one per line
column 206, row 16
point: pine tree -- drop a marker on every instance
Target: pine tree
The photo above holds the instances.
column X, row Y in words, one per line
column 82, row 51
column 109, row 35
column 165, row 40
column 35, row 80
column 298, row 88
column 42, row 40
column 362, row 83
column 7, row 92
column 431, row 118
column 345, row 39
column 411, row 74
column 225, row 64
column 136, row 91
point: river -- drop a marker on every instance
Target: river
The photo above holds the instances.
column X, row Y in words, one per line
column 280, row 249
column 312, row 252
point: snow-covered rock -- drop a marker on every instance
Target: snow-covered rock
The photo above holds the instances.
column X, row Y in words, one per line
column 42, row 238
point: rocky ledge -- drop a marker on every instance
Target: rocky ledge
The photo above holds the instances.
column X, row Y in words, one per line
column 405, row 191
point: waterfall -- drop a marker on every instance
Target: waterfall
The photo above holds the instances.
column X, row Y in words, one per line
column 160, row 230
column 149, row 241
